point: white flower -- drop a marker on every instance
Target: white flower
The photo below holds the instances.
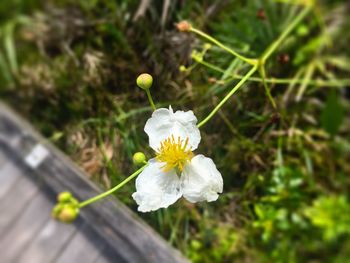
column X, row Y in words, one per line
column 175, row 171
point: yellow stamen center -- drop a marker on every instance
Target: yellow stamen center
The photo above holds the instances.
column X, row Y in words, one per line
column 174, row 153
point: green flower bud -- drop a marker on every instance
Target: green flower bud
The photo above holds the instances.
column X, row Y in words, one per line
column 56, row 210
column 144, row 81
column 68, row 214
column 74, row 201
column 303, row 30
column 182, row 68
column 207, row 46
column 64, row 197
column 197, row 56
column 196, row 245
column 139, row 158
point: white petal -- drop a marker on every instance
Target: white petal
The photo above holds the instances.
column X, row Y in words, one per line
column 200, row 180
column 156, row 189
column 164, row 123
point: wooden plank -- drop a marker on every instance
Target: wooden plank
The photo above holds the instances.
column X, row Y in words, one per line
column 48, row 242
column 80, row 248
column 111, row 219
column 3, row 159
column 15, row 201
column 127, row 236
column 102, row 259
column 25, row 229
column 30, row 223
column 9, row 174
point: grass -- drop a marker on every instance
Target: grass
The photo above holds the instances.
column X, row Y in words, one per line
column 70, row 68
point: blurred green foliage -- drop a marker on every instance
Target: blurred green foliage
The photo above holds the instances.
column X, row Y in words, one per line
column 332, row 114
column 331, row 214
column 70, row 67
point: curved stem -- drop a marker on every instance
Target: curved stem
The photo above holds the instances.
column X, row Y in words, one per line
column 150, row 99
column 317, row 82
column 256, row 63
column 222, row 102
column 111, row 191
column 219, row 44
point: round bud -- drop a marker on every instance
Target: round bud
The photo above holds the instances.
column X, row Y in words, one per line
column 56, row 210
column 68, row 214
column 182, row 68
column 139, row 158
column 196, row 244
column 64, row 197
column 183, row 26
column 197, row 56
column 144, row 81
column 207, row 46
column 74, row 201
column 303, row 30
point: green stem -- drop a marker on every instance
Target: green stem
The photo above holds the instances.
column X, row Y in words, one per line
column 318, row 83
column 311, row 82
column 257, row 63
column 222, row 102
column 284, row 34
column 150, row 99
column 111, row 191
column 209, row 65
column 267, row 89
column 219, row 44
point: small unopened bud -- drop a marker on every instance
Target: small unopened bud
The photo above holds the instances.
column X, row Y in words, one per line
column 64, row 197
column 182, row 68
column 68, row 214
column 197, row 56
column 196, row 244
column 183, row 26
column 207, row 46
column 303, row 30
column 144, row 81
column 139, row 158
column 74, row 201
column 56, row 210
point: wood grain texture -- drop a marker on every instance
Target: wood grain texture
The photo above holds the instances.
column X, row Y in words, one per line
column 31, row 235
column 9, row 176
column 122, row 234
column 25, row 229
column 3, row 159
column 48, row 243
column 80, row 249
column 14, row 201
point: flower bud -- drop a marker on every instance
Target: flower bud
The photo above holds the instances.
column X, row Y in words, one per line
column 144, row 81
column 139, row 158
column 68, row 214
column 56, row 210
column 74, row 201
column 64, row 197
column 196, row 244
column 207, row 46
column 197, row 56
column 302, row 30
column 183, row 26
column 182, row 68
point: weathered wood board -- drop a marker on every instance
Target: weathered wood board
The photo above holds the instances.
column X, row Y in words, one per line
column 32, row 172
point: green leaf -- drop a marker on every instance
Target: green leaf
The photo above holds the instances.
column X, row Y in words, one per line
column 333, row 114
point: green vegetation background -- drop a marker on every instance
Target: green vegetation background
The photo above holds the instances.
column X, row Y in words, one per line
column 70, row 66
